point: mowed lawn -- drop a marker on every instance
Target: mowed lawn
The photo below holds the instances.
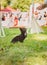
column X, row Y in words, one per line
column 33, row 51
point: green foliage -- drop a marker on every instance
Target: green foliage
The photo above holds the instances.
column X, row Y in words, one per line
column 8, row 2
column 3, row 3
column 23, row 5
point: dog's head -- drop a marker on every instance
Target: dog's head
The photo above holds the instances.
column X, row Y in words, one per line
column 23, row 30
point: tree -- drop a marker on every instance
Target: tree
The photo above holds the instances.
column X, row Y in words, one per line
column 23, row 5
column 4, row 3
column 8, row 2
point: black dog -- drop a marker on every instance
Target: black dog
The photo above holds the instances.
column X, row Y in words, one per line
column 20, row 37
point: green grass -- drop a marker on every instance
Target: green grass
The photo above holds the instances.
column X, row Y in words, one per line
column 33, row 51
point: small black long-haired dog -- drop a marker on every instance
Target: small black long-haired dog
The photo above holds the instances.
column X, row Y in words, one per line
column 21, row 37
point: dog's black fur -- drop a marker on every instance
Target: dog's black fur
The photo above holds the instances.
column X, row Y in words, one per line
column 20, row 37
